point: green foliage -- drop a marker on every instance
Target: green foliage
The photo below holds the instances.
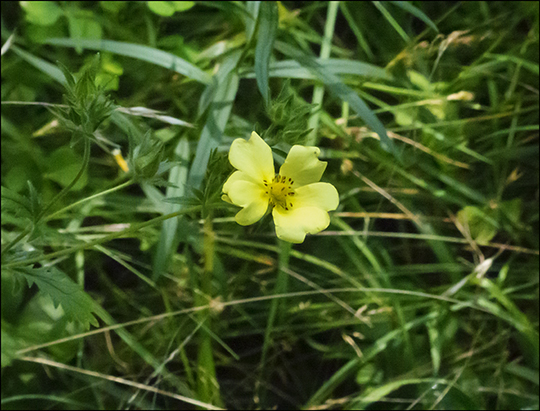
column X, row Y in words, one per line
column 209, row 197
column 341, row 90
column 266, row 35
column 289, row 118
column 421, row 294
column 483, row 223
column 87, row 104
column 63, row 166
column 43, row 13
column 146, row 157
column 479, row 223
column 168, row 8
column 77, row 305
column 17, row 206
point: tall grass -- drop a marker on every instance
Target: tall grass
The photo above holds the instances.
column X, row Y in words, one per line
column 421, row 294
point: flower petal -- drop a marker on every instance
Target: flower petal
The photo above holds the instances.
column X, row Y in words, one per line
column 251, row 214
column 249, row 195
column 237, row 176
column 253, row 157
column 303, row 165
column 321, row 195
column 226, row 198
column 242, row 193
column 293, row 225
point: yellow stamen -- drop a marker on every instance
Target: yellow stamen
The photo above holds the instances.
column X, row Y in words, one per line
column 278, row 190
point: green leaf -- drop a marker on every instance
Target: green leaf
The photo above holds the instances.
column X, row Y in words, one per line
column 416, row 12
column 113, row 6
column 523, row 371
column 182, row 5
column 63, row 165
column 209, row 94
column 526, row 64
column 82, row 25
column 293, row 69
column 266, row 35
column 253, row 8
column 168, row 8
column 42, row 13
column 45, row 67
column 372, row 395
column 177, row 176
column 15, row 204
column 147, row 157
column 35, row 200
column 87, row 104
column 140, row 52
column 10, row 344
column 511, row 210
column 481, row 227
column 218, row 115
column 338, row 88
column 77, row 305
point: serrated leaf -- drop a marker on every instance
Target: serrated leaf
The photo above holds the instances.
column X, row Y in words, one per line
column 69, row 78
column 147, row 156
column 198, row 193
column 35, row 200
column 77, row 305
column 15, row 204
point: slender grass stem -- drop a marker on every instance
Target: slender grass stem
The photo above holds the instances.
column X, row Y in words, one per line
column 318, row 90
column 277, row 310
column 92, row 197
column 208, row 387
column 132, row 229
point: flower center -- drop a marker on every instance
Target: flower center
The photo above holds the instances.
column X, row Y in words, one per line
column 280, row 191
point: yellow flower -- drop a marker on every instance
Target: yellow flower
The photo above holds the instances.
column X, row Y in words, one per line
column 299, row 202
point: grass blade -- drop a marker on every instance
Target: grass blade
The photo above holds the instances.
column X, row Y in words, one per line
column 416, row 12
column 268, row 24
column 140, row 52
column 178, row 177
column 220, row 109
column 336, row 86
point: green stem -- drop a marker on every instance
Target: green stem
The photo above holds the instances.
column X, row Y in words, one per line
column 275, row 315
column 208, row 387
column 318, row 90
column 102, row 193
column 345, row 113
column 16, row 239
column 65, row 190
column 133, row 228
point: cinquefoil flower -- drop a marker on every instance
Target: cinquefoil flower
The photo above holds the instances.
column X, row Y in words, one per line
column 299, row 202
